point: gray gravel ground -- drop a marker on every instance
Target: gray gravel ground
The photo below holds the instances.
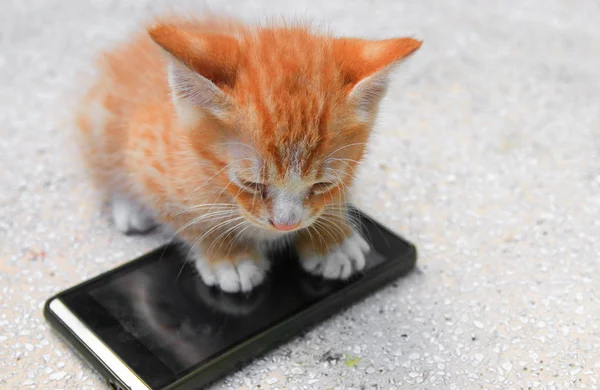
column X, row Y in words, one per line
column 486, row 156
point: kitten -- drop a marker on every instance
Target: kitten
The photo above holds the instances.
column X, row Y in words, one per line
column 236, row 136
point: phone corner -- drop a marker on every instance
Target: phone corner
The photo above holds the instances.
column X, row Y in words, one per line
column 47, row 309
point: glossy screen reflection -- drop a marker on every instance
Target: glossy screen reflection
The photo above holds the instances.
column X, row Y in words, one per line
column 183, row 322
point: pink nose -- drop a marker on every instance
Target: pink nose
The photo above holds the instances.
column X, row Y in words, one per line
column 285, row 227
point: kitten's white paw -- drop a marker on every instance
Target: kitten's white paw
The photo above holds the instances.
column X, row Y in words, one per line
column 232, row 278
column 131, row 217
column 341, row 262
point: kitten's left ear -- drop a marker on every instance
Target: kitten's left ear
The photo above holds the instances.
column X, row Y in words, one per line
column 366, row 66
column 203, row 66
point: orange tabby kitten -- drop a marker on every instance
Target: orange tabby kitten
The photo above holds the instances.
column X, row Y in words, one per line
column 236, row 136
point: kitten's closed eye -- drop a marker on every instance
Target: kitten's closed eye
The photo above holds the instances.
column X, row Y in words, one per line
column 322, row 187
column 254, row 187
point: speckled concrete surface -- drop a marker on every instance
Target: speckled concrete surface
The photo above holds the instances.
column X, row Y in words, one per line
column 486, row 155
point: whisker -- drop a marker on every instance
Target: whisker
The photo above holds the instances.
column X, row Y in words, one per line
column 219, row 225
column 204, row 218
column 343, row 159
column 326, row 229
column 202, row 206
column 199, row 239
column 312, row 241
column 335, row 223
column 321, row 237
column 224, row 235
column 344, row 147
column 237, row 236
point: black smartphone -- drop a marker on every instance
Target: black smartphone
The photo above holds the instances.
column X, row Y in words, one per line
column 153, row 324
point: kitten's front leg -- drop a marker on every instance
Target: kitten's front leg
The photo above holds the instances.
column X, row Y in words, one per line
column 236, row 272
column 231, row 267
column 332, row 249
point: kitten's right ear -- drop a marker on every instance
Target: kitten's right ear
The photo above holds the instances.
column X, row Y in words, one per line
column 203, row 67
column 366, row 65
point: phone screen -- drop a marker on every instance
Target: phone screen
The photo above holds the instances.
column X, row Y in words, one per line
column 160, row 318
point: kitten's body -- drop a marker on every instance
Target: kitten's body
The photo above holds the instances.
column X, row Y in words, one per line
column 239, row 135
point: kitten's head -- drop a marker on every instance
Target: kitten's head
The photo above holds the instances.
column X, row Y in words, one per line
column 283, row 113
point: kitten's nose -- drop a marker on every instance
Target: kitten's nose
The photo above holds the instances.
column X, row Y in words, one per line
column 284, row 226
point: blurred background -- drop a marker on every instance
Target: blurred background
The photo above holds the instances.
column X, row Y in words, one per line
column 486, row 155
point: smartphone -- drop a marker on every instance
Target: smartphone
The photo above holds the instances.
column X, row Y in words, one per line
column 153, row 324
